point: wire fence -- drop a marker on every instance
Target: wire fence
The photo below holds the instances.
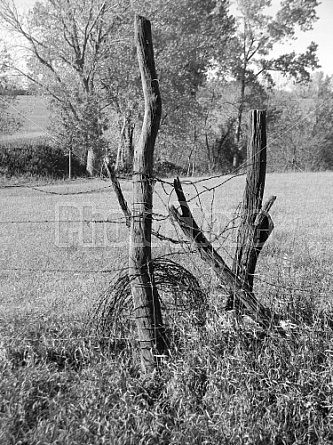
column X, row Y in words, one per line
column 208, row 186
column 163, row 195
column 157, row 217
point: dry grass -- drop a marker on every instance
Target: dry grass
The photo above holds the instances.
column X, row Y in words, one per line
column 224, row 385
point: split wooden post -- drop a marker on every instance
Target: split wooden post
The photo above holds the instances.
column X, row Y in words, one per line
column 243, row 294
column 144, row 292
column 256, row 224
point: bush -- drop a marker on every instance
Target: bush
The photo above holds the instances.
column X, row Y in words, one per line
column 167, row 168
column 37, row 160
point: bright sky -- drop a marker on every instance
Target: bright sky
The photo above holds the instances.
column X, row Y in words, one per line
column 321, row 34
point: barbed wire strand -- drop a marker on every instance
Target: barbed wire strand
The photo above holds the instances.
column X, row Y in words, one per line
column 134, row 338
column 235, row 173
column 120, row 220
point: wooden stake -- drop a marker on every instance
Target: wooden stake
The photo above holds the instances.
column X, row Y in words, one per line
column 243, row 294
column 256, row 224
column 145, row 296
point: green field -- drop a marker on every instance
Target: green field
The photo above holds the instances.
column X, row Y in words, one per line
column 34, row 115
column 222, row 385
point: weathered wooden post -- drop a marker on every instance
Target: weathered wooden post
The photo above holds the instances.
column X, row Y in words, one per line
column 145, row 296
column 256, row 224
column 239, row 290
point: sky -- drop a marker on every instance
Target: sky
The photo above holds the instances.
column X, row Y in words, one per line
column 321, row 34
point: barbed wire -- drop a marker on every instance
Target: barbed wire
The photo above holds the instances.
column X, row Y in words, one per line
column 66, row 182
column 235, row 171
column 120, row 220
column 258, row 276
column 63, row 271
column 286, row 287
column 82, row 337
column 50, row 192
column 45, row 184
column 159, row 217
column 43, row 338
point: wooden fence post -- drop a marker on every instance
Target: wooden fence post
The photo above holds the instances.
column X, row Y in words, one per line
column 144, row 292
column 240, row 291
column 256, row 224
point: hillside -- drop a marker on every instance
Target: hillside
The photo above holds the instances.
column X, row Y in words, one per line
column 34, row 114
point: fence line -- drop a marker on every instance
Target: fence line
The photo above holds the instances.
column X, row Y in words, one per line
column 50, row 192
column 119, row 220
column 163, row 182
column 158, row 217
column 65, row 271
column 84, row 337
column 30, row 340
column 235, row 171
column 258, row 277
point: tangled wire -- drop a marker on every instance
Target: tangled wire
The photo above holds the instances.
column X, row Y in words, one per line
column 183, row 302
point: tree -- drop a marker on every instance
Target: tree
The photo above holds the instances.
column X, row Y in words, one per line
column 188, row 36
column 66, row 45
column 257, row 34
column 221, row 100
column 8, row 122
column 89, row 45
column 301, row 133
column 289, row 133
column 322, row 88
column 186, row 47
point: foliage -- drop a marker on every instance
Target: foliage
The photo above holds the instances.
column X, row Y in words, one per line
column 300, row 131
column 221, row 101
column 81, row 134
column 91, row 46
column 167, row 168
column 37, row 160
column 66, row 44
column 256, row 35
column 186, row 36
column 322, row 90
column 212, row 69
column 191, row 34
column 8, row 123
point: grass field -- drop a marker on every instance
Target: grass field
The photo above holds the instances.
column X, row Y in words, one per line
column 222, row 385
column 33, row 112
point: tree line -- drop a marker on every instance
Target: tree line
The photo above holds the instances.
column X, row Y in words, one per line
column 214, row 63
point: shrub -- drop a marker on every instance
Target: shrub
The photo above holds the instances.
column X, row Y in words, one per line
column 167, row 168
column 37, row 160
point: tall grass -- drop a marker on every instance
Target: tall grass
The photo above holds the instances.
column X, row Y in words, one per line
column 223, row 384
